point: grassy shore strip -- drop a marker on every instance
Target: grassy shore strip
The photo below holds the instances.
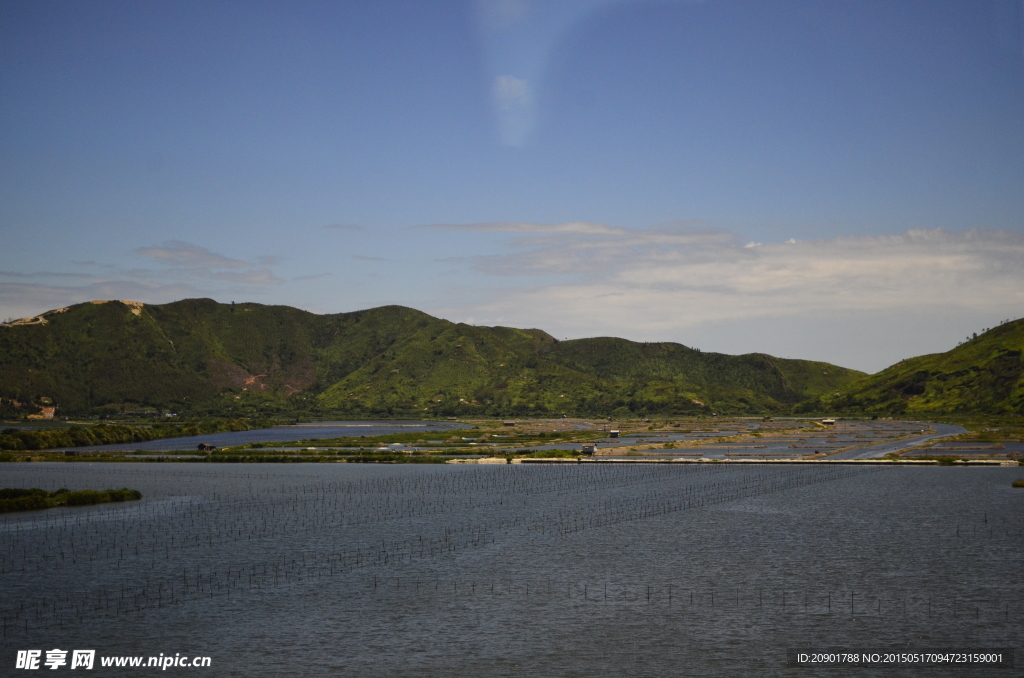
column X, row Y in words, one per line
column 323, row 458
column 13, row 439
column 280, row 458
column 468, row 438
column 755, row 436
column 14, row 499
column 990, row 432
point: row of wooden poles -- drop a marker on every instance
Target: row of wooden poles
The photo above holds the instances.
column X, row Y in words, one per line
column 669, row 597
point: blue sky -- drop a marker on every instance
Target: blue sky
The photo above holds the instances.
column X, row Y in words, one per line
column 841, row 181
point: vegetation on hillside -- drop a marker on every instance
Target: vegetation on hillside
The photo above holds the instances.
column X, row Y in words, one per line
column 983, row 375
column 198, row 357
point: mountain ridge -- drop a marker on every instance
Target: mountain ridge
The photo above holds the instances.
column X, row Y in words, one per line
column 200, row 356
column 984, row 375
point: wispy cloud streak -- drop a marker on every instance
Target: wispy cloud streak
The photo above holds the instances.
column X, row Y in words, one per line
column 674, row 284
column 178, row 269
column 186, row 259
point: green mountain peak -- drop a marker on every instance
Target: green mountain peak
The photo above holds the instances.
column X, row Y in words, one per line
column 201, row 356
column 984, row 375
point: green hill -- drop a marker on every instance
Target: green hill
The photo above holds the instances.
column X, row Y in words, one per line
column 201, row 357
column 984, row 375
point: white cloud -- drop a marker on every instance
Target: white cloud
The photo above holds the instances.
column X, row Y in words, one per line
column 579, row 227
column 44, row 274
column 187, row 270
column 509, row 92
column 513, row 104
column 192, row 261
column 677, row 285
column 183, row 254
column 253, row 276
column 312, row 276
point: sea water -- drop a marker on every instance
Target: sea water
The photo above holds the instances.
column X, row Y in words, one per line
column 514, row 570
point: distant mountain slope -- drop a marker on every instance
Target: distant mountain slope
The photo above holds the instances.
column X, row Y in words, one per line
column 984, row 375
column 197, row 355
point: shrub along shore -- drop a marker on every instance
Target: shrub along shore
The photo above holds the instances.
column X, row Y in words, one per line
column 108, row 434
column 13, row 499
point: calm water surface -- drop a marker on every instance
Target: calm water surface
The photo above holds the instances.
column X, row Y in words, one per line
column 515, row 570
column 312, row 431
